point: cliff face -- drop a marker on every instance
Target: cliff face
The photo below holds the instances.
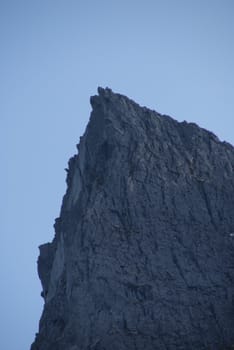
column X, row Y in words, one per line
column 143, row 254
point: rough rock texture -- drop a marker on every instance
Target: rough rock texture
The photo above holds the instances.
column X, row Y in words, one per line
column 143, row 255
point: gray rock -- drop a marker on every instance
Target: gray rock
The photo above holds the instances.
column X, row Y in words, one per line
column 143, row 254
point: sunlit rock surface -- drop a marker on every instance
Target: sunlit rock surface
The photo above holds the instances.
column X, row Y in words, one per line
column 143, row 254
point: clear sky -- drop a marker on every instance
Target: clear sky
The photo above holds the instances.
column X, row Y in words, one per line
column 174, row 56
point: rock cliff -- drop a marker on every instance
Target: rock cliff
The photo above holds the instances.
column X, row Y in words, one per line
column 143, row 253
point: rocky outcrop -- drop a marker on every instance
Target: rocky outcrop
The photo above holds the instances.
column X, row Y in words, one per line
column 143, row 254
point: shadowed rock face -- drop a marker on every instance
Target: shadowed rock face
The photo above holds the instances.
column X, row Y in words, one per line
column 143, row 255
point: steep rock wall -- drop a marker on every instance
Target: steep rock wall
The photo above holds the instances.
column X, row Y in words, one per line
column 143, row 254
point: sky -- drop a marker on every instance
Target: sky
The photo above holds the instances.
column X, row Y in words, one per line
column 174, row 56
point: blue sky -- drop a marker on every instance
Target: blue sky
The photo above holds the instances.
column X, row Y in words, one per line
column 174, row 56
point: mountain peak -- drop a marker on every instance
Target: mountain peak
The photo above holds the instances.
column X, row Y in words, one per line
column 143, row 249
